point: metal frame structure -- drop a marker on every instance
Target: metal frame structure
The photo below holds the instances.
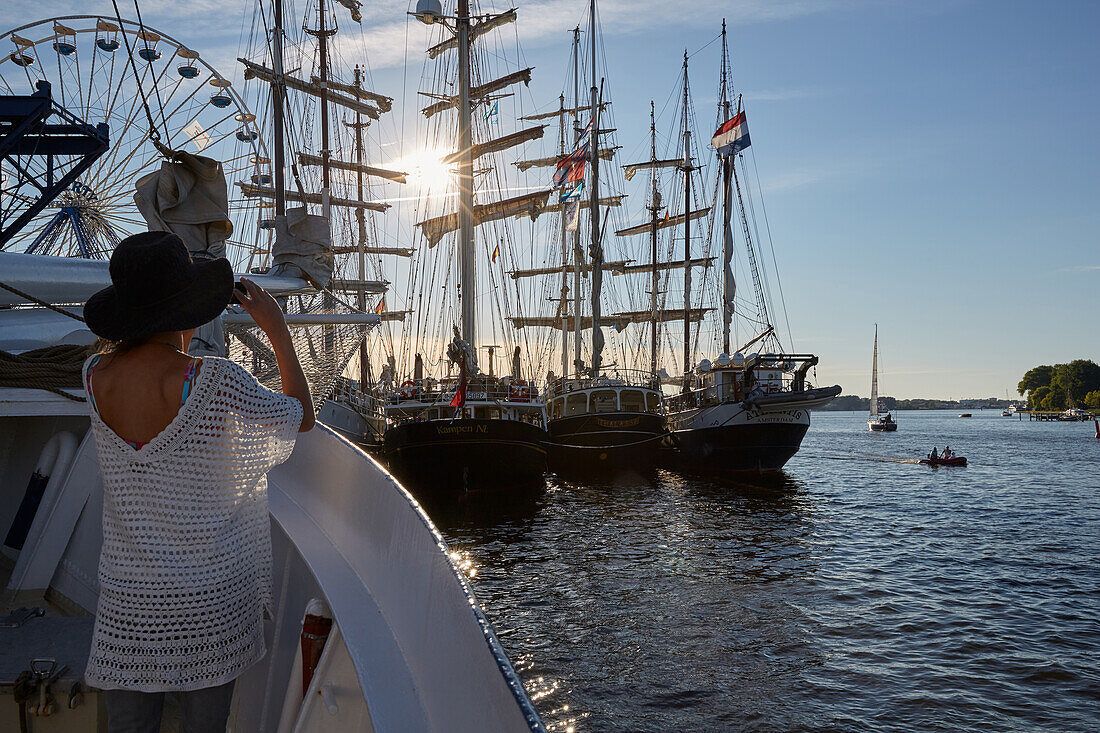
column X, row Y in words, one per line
column 26, row 131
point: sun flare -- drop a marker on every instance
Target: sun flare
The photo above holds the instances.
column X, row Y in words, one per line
column 427, row 168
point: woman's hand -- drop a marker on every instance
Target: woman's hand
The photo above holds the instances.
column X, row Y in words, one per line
column 265, row 311
column 269, row 317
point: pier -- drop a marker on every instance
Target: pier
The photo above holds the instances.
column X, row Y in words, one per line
column 1049, row 416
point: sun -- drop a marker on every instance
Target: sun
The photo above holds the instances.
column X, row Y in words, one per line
column 427, row 168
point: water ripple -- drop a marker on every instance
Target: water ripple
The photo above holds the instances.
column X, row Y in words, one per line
column 847, row 594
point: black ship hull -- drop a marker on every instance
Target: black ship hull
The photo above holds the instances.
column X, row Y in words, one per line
column 736, row 448
column 612, row 440
column 447, row 457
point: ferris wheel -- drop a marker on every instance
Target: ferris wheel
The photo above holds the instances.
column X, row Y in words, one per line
column 104, row 69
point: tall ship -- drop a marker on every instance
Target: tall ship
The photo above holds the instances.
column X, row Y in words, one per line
column 325, row 171
column 468, row 429
column 878, row 422
column 602, row 414
column 749, row 408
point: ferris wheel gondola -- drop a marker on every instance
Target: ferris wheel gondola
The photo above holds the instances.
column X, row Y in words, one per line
column 77, row 56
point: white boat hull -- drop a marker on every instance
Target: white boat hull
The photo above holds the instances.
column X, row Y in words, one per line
column 410, row 650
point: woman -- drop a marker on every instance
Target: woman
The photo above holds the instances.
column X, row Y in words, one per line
column 184, row 447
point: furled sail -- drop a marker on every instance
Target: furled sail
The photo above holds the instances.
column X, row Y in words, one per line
column 259, row 71
column 302, row 247
column 631, row 269
column 500, row 143
column 188, row 196
column 619, row 320
column 523, row 165
column 350, row 249
column 385, row 104
column 531, row 204
column 253, row 191
column 614, row 267
column 367, row 170
column 729, row 285
column 630, row 170
column 874, row 378
column 604, row 201
column 671, row 221
column 480, row 91
column 477, row 30
column 567, row 110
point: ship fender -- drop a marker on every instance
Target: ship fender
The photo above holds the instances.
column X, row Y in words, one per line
column 55, row 458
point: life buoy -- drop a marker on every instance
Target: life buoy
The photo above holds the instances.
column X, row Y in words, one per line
column 409, row 390
column 520, row 391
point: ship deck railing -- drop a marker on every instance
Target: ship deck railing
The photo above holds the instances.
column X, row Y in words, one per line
column 707, row 396
column 515, row 396
column 636, row 378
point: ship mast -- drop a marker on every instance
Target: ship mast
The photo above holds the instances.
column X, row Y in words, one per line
column 654, row 209
column 322, row 34
column 278, row 98
column 578, row 256
column 596, row 251
column 564, row 304
column 361, row 217
column 728, row 284
column 687, row 168
column 467, row 260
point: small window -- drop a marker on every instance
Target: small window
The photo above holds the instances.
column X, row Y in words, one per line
column 576, row 404
column 632, row 400
column 481, row 412
column 604, row 400
column 653, row 402
column 556, row 408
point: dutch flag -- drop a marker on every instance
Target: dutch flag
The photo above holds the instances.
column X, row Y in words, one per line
column 732, row 136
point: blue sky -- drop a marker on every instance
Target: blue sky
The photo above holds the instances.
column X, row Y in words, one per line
column 932, row 167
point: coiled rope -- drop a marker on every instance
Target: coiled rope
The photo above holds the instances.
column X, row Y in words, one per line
column 53, row 368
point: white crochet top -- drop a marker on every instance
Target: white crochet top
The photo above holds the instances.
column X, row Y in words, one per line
column 185, row 570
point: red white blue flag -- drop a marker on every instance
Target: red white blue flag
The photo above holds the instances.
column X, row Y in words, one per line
column 571, row 167
column 586, row 133
column 732, row 136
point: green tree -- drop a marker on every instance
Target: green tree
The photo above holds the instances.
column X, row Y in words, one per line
column 1035, row 378
column 1077, row 379
column 1092, row 399
column 1054, row 400
column 1035, row 397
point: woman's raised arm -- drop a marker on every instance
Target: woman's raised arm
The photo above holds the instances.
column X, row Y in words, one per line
column 269, row 317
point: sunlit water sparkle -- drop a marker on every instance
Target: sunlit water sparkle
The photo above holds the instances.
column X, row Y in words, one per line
column 852, row 593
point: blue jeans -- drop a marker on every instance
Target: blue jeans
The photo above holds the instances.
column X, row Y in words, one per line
column 201, row 711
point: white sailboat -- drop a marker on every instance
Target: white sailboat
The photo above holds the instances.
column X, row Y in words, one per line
column 884, row 423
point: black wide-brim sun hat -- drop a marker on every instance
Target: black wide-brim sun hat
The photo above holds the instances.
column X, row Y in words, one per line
column 156, row 287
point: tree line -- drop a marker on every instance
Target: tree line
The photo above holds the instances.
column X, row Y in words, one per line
column 1062, row 386
column 855, row 403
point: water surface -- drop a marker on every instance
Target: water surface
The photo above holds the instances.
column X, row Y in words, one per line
column 852, row 592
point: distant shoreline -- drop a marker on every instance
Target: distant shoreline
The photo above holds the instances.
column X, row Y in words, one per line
column 854, row 403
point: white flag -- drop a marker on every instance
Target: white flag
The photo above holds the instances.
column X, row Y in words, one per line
column 197, row 135
column 572, row 216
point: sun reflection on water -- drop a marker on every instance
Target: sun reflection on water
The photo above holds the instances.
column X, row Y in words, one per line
column 464, row 563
